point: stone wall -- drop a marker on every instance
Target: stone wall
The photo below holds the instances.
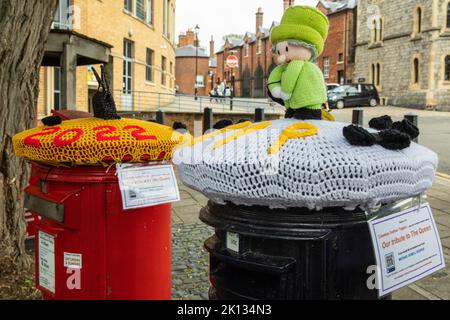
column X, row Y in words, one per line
column 399, row 46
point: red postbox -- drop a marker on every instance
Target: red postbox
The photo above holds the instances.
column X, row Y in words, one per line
column 87, row 246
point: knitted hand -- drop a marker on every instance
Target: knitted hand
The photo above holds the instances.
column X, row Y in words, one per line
column 358, row 136
column 381, row 123
column 394, row 140
column 390, row 139
column 276, row 92
column 285, row 96
column 405, row 126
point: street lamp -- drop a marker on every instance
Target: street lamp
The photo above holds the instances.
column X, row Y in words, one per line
column 197, row 29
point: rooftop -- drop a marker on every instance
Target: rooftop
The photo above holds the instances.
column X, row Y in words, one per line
column 337, row 6
column 191, row 51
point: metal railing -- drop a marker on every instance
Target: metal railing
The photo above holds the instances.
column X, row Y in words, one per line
column 144, row 101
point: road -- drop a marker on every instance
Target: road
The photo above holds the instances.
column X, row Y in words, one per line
column 434, row 128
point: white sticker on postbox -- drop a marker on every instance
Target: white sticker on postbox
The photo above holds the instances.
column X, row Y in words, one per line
column 233, row 241
column 144, row 185
column 46, row 260
column 72, row 260
column 407, row 247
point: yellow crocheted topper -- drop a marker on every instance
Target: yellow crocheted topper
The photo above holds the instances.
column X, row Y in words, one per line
column 91, row 141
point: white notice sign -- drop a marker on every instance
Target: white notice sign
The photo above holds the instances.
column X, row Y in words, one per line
column 72, row 260
column 407, row 247
column 46, row 247
column 147, row 185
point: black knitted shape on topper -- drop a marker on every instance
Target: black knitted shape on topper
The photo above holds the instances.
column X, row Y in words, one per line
column 222, row 124
column 358, row 136
column 303, row 114
column 407, row 127
column 394, row 140
column 103, row 101
column 381, row 123
column 179, row 125
column 51, row 121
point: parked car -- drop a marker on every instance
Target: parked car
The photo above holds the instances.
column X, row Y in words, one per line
column 332, row 86
column 353, row 95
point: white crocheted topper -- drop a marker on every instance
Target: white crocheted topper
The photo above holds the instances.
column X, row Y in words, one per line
column 293, row 163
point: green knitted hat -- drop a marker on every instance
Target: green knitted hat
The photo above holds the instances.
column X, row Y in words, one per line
column 302, row 23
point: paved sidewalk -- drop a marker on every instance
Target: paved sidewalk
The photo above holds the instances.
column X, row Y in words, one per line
column 190, row 261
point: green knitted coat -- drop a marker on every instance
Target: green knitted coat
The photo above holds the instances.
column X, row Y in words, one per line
column 302, row 81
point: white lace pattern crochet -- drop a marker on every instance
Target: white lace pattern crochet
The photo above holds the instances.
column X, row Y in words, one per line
column 318, row 171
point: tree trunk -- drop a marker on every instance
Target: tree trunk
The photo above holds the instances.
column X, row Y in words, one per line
column 24, row 28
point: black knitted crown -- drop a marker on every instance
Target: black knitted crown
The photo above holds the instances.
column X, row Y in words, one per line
column 103, row 100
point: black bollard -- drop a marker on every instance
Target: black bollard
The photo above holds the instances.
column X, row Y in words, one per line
column 207, row 119
column 414, row 119
column 358, row 117
column 160, row 117
column 259, row 115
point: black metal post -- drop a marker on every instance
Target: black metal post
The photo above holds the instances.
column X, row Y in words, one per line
column 207, row 119
column 414, row 118
column 196, row 65
column 358, row 117
column 232, row 90
column 259, row 115
column 160, row 117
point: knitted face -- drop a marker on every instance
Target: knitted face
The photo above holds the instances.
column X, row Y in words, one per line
column 286, row 53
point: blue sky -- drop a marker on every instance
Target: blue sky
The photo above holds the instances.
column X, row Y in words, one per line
column 219, row 17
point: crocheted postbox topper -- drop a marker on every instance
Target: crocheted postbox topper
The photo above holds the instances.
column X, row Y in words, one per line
column 292, row 163
column 101, row 139
column 91, row 141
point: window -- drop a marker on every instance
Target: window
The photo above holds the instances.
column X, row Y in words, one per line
column 448, row 15
column 57, row 88
column 166, row 18
column 416, row 71
column 171, row 72
column 373, row 73
column 326, row 67
column 418, row 20
column 150, row 11
column 377, row 34
column 380, row 33
column 447, row 68
column 128, row 5
column 127, row 66
column 163, row 70
column 341, row 57
column 200, row 82
column 140, row 10
column 378, row 74
column 149, row 65
column 246, row 50
column 375, row 31
column 62, row 16
column 258, row 48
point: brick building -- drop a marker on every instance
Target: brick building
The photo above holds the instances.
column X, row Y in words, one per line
column 190, row 56
column 405, row 53
column 337, row 61
column 253, row 50
column 139, row 36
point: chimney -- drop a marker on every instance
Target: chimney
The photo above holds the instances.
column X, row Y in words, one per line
column 186, row 39
column 288, row 3
column 259, row 19
column 211, row 48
